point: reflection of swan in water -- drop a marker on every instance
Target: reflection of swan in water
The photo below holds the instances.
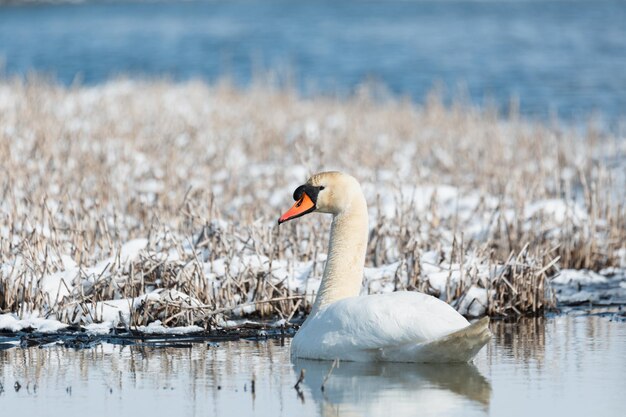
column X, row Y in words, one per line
column 395, row 389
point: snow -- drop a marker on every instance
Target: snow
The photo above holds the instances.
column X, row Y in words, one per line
column 475, row 302
column 379, row 280
column 578, row 297
column 58, row 284
column 47, row 325
column 559, row 211
column 99, row 328
column 582, row 276
column 419, row 197
column 574, row 287
column 10, row 322
column 113, row 311
column 131, row 249
column 157, row 328
column 440, row 279
column 621, row 253
column 279, row 323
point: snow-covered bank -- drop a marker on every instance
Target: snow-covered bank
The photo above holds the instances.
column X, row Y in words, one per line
column 153, row 205
column 573, row 287
column 583, row 287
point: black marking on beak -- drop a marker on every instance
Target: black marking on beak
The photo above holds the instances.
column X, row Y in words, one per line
column 309, row 190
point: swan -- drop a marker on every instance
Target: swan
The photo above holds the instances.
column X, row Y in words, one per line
column 403, row 326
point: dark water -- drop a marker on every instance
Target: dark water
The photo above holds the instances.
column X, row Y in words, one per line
column 560, row 366
column 564, row 57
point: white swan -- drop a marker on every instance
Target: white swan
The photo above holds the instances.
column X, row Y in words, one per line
column 398, row 327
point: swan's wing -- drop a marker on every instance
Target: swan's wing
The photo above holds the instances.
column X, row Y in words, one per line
column 357, row 327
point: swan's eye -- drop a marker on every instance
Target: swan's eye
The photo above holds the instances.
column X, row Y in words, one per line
column 322, row 187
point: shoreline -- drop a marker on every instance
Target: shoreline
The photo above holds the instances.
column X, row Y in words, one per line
column 256, row 331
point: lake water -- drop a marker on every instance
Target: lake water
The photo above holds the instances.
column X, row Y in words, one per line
column 568, row 365
column 564, row 57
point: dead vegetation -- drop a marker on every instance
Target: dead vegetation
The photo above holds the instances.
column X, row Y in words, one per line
column 203, row 172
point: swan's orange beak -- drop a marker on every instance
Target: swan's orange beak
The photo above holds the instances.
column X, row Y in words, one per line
column 300, row 208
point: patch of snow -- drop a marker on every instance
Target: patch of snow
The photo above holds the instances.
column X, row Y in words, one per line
column 380, row 279
column 112, row 311
column 430, row 257
column 574, row 276
column 157, row 327
column 10, row 323
column 151, row 186
column 279, row 323
column 418, row 198
column 557, row 210
column 621, row 253
column 99, row 328
column 578, row 297
column 475, row 302
column 440, row 278
column 245, row 309
column 233, row 324
column 130, row 250
column 68, row 262
column 47, row 325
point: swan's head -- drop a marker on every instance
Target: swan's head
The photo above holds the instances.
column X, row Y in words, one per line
column 327, row 192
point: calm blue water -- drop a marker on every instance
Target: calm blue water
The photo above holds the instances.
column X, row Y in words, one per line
column 563, row 57
column 560, row 366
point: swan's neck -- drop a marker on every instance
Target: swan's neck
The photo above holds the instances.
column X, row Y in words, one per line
column 343, row 274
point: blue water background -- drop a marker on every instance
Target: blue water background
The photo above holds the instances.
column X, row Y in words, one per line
column 565, row 57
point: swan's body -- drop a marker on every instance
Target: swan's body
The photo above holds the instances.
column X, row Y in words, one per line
column 400, row 326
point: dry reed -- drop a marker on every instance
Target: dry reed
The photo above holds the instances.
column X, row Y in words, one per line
column 202, row 171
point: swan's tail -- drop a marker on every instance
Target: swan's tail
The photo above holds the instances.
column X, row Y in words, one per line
column 460, row 346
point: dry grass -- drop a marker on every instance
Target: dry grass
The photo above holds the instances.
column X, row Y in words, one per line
column 203, row 172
